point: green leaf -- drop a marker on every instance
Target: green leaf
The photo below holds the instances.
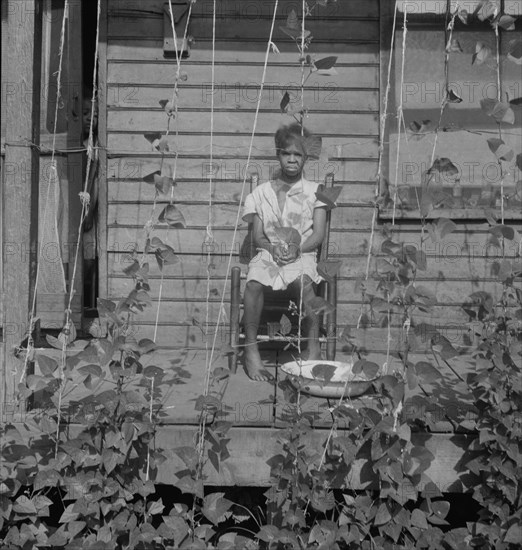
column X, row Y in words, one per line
column 427, row 372
column 515, row 54
column 452, row 97
column 513, row 533
column 162, row 183
column 188, row 485
column 146, row 345
column 152, row 371
column 286, row 325
column 329, row 269
column 46, row 364
column 188, row 455
column 463, row 16
column 207, row 403
column 166, row 256
column 293, row 27
column 482, row 52
column 323, row 372
column 172, row 216
column 111, row 459
column 167, row 106
column 440, row 508
column 507, row 22
column 421, row 260
column 329, row 195
column 163, row 145
column 93, row 370
column 487, row 9
column 220, row 373
column 319, row 305
column 268, row 533
column 325, row 63
column 285, row 101
column 155, row 507
column 68, row 514
column 48, row 425
column 500, row 149
column 420, row 129
column 215, row 507
column 288, row 235
column 445, row 167
column 418, row 519
column 292, row 22
column 501, row 230
column 151, row 137
column 24, row 505
column 454, row 46
column 53, row 341
column 313, row 146
column 383, row 515
column 500, row 111
column 445, row 226
column 411, row 378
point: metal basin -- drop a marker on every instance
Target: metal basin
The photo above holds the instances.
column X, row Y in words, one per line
column 333, row 379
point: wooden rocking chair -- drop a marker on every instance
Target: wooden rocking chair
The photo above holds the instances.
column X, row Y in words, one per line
column 277, row 302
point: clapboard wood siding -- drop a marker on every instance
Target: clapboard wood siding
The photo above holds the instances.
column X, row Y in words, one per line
column 134, row 25
column 195, row 167
column 234, row 51
column 343, row 108
column 350, row 147
column 440, row 267
column 246, row 10
column 199, row 75
column 321, row 96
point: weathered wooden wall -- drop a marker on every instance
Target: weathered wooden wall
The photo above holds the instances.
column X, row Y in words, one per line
column 343, row 108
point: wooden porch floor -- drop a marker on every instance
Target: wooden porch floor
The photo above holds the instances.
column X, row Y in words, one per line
column 257, row 409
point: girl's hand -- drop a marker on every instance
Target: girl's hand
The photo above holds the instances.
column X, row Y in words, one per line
column 290, row 254
column 279, row 254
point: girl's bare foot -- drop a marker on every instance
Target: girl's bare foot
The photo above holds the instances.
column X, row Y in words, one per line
column 254, row 366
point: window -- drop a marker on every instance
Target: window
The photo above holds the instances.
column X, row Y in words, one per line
column 455, row 160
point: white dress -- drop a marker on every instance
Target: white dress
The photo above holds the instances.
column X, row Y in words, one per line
column 298, row 211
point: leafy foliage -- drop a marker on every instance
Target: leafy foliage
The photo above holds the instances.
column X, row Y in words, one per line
column 92, row 462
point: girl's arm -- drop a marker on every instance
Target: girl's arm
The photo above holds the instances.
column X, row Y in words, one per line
column 318, row 233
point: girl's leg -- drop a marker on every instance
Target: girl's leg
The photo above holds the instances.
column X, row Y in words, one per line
column 311, row 319
column 253, row 302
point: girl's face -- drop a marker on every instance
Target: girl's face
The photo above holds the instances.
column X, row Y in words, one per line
column 292, row 159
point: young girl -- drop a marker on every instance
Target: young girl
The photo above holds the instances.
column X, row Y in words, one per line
column 288, row 201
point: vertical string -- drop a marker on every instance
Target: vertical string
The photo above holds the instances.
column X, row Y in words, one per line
column 175, row 101
column 209, row 234
column 209, row 240
column 399, row 109
column 499, row 98
column 241, row 197
column 53, row 174
column 381, row 141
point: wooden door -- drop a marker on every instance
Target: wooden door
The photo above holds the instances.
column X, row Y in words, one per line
column 61, row 175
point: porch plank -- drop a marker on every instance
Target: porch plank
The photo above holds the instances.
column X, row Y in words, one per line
column 250, row 448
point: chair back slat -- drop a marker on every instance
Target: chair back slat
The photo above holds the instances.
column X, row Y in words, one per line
column 323, row 249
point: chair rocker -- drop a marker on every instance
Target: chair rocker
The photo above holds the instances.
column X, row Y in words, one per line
column 276, row 303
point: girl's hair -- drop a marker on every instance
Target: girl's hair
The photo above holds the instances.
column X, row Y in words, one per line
column 291, row 133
